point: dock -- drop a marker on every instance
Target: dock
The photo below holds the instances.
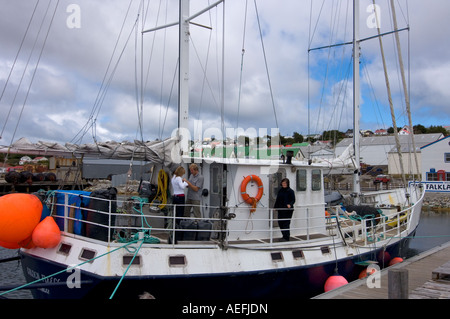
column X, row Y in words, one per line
column 428, row 278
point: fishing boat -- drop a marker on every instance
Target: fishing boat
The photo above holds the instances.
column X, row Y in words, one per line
column 137, row 247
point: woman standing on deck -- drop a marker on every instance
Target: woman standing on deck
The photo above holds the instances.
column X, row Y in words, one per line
column 285, row 206
column 178, row 185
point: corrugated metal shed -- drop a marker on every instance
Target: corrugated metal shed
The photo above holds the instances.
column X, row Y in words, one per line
column 102, row 168
column 375, row 149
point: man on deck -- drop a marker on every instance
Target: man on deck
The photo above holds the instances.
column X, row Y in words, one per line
column 195, row 184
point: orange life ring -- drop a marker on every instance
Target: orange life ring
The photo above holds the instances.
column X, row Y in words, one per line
column 246, row 197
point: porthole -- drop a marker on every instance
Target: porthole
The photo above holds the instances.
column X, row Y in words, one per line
column 128, row 259
column 64, row 249
column 298, row 254
column 87, row 254
column 177, row 261
column 277, row 256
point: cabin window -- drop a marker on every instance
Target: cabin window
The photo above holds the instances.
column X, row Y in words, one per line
column 87, row 254
column 301, row 180
column 277, row 256
column 298, row 254
column 64, row 249
column 325, row 250
column 316, row 180
column 128, row 259
column 177, row 261
column 275, row 185
column 215, row 180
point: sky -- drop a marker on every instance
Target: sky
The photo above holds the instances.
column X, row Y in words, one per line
column 81, row 70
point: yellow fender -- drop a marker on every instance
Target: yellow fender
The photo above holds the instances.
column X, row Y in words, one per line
column 394, row 222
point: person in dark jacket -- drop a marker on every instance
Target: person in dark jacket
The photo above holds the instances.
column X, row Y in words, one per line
column 285, row 206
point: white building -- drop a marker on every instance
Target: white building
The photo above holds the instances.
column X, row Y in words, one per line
column 436, row 161
column 376, row 150
column 408, row 159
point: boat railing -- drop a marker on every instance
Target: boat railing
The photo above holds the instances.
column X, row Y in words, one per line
column 123, row 220
column 369, row 229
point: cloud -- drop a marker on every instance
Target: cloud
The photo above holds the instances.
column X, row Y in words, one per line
column 91, row 70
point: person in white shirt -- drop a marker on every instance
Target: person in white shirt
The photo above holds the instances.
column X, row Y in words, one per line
column 178, row 186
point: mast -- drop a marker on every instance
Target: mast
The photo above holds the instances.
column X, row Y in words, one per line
column 356, row 103
column 391, row 105
column 405, row 89
column 183, row 76
column 183, row 22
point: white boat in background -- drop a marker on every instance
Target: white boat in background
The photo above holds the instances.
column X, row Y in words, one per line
column 124, row 247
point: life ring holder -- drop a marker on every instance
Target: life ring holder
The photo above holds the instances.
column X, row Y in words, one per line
column 246, row 197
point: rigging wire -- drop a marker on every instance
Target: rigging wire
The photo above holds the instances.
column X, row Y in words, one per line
column 342, row 71
column 205, row 79
column 265, row 62
column 242, row 65
column 174, row 80
column 136, row 73
column 13, row 66
column 35, row 69
column 90, row 123
column 103, row 95
column 163, row 63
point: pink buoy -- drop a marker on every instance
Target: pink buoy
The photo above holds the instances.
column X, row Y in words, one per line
column 364, row 274
column 46, row 234
column 395, row 260
column 334, row 282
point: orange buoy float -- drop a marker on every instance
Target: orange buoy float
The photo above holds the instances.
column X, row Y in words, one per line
column 246, row 197
column 47, row 233
column 334, row 282
column 27, row 243
column 4, row 244
column 395, row 260
column 19, row 215
column 363, row 274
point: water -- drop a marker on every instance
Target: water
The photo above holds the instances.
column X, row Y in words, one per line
column 11, row 275
column 433, row 230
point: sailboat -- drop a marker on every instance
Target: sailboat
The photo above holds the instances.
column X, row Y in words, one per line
column 113, row 248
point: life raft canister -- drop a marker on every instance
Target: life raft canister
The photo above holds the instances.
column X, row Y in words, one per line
column 246, row 197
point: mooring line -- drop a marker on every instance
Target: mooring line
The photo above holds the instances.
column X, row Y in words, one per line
column 131, row 262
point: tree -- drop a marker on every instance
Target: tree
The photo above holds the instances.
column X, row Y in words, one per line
column 437, row 129
column 334, row 135
column 298, row 138
column 419, row 129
